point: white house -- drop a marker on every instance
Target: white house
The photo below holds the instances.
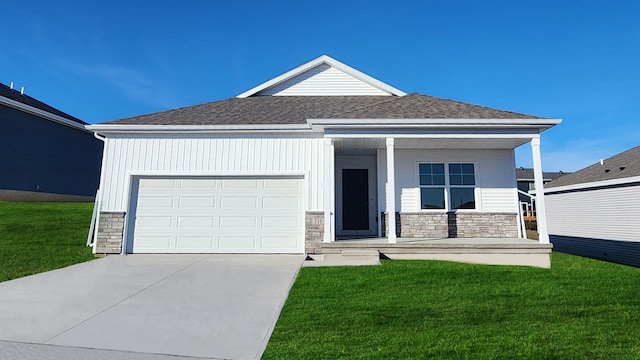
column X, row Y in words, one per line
column 594, row 212
column 319, row 153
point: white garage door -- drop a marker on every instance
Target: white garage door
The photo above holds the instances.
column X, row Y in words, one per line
column 219, row 215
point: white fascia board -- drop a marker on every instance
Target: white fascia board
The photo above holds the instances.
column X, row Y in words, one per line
column 588, row 185
column 121, row 128
column 41, row 113
column 324, row 59
column 539, row 124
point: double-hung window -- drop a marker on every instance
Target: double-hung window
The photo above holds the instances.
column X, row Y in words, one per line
column 447, row 186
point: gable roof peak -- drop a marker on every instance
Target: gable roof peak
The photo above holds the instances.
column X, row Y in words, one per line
column 308, row 68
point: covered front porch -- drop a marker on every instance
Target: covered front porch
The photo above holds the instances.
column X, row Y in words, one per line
column 428, row 189
column 493, row 251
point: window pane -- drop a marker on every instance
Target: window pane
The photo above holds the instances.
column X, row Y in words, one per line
column 462, row 198
column 455, row 179
column 455, row 169
column 432, row 198
column 426, row 180
column 467, row 169
column 468, row 180
column 438, row 180
column 424, row 169
column 438, row 168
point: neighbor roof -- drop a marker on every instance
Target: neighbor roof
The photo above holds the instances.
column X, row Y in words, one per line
column 297, row 109
column 623, row 165
column 526, row 174
column 12, row 94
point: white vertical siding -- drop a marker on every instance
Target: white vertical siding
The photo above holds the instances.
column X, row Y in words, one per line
column 223, row 155
column 322, row 80
column 610, row 214
column 495, row 176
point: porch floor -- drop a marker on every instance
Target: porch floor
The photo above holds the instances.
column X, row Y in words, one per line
column 496, row 251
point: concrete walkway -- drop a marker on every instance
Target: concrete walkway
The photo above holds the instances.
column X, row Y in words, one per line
column 147, row 307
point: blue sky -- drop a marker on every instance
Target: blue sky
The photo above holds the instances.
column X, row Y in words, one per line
column 574, row 60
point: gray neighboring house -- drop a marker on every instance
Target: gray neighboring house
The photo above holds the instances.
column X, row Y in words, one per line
column 526, row 181
column 595, row 212
column 46, row 154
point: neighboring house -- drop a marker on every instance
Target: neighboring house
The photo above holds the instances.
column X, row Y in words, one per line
column 526, row 183
column 316, row 154
column 45, row 154
column 595, row 212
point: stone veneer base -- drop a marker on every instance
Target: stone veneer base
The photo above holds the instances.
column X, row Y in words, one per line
column 110, row 232
column 313, row 231
column 454, row 225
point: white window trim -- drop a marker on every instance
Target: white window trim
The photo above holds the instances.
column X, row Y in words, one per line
column 447, row 186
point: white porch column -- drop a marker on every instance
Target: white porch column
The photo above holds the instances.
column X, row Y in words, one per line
column 391, row 191
column 329, row 189
column 541, row 213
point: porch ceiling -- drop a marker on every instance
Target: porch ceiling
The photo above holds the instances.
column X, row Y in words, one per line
column 363, row 146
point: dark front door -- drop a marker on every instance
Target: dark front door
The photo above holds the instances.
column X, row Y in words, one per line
column 355, row 199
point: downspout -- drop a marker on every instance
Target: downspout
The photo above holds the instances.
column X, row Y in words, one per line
column 98, row 202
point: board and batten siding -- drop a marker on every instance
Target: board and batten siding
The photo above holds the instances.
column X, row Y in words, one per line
column 495, row 177
column 608, row 214
column 184, row 155
column 323, row 80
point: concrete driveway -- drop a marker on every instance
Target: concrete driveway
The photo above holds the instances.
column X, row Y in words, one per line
column 147, row 307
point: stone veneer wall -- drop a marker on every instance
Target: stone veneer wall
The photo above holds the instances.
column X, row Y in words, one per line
column 314, row 231
column 483, row 225
column 454, row 225
column 110, row 232
column 424, row 225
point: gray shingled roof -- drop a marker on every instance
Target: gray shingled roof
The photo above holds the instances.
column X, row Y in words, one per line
column 297, row 109
column 623, row 165
column 15, row 95
column 527, row 174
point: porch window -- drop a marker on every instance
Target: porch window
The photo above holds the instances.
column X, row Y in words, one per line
column 458, row 181
column 462, row 181
column 432, row 184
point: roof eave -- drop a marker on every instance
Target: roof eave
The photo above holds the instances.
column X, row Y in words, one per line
column 540, row 124
column 157, row 129
column 41, row 113
column 593, row 184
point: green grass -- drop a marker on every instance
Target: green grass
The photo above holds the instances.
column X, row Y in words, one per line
column 38, row 237
column 578, row 309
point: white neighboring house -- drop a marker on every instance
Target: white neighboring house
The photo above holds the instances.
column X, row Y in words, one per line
column 318, row 153
column 595, row 212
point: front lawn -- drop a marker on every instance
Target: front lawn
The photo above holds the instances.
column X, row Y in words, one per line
column 578, row 309
column 37, row 237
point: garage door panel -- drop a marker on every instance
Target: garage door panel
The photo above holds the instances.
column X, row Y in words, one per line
column 243, row 184
column 280, row 222
column 155, row 201
column 153, row 242
column 154, row 222
column 235, row 202
column 278, row 242
column 157, row 183
column 199, row 184
column 237, row 223
column 207, row 215
column 237, row 242
column 280, row 202
column 197, row 222
column 197, row 201
column 194, row 242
